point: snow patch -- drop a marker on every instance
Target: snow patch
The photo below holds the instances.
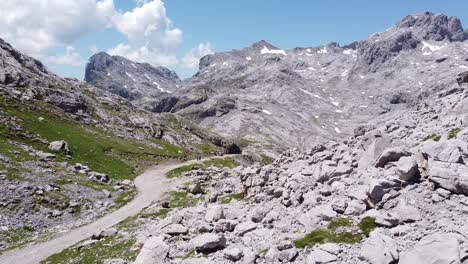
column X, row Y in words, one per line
column 339, row 111
column 363, row 106
column 266, row 112
column 248, row 58
column 428, row 49
column 347, row 51
column 345, row 73
column 337, row 130
column 323, row 50
column 266, row 50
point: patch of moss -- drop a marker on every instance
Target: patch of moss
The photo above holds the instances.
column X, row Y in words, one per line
column 322, row 236
column 367, row 224
column 17, row 237
column 161, row 214
column 331, row 234
column 107, row 248
column 433, row 137
column 221, row 163
column 182, row 200
column 230, row 197
column 339, row 222
column 453, row 133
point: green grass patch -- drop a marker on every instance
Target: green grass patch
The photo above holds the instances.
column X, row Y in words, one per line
column 433, row 137
column 119, row 158
column 340, row 222
column 331, row 234
column 220, row 163
column 123, row 198
column 17, row 237
column 182, row 200
column 206, row 149
column 107, row 248
column 161, row 214
column 453, row 133
column 323, row 236
column 226, row 199
column 367, row 224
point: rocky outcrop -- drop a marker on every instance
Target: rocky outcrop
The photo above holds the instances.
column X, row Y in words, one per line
column 129, row 79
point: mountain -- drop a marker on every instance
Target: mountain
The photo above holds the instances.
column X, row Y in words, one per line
column 69, row 152
column 129, row 79
column 296, row 97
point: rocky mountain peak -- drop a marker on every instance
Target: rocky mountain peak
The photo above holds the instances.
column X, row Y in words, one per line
column 429, row 26
column 129, row 79
column 16, row 68
column 259, row 45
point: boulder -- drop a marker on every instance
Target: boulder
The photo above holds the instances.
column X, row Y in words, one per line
column 391, row 155
column 175, row 230
column 379, row 249
column 59, row 146
column 243, row 228
column 233, row 253
column 206, row 243
column 434, row 249
column 154, row 250
column 450, row 176
column 214, row 214
column 407, row 168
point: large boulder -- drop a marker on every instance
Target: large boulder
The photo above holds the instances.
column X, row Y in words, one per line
column 379, row 249
column 390, row 155
column 434, row 249
column 446, row 165
column 208, row 242
column 59, row 146
column 407, row 168
column 154, row 250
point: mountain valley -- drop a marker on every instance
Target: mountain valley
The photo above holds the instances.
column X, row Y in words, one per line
column 333, row 154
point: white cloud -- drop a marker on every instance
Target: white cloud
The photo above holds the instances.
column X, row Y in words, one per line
column 41, row 27
column 144, row 54
column 150, row 33
column 192, row 58
column 70, row 58
column 36, row 26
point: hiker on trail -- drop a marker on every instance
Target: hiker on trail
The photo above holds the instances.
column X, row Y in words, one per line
column 198, row 156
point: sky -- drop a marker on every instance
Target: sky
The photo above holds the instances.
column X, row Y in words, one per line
column 177, row 33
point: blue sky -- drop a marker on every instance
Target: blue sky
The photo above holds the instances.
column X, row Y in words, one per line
column 223, row 25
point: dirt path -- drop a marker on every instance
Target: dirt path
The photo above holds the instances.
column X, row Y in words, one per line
column 151, row 185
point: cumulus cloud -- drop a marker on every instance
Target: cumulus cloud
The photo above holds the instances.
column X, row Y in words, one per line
column 150, row 33
column 35, row 26
column 70, row 58
column 192, row 58
column 41, row 27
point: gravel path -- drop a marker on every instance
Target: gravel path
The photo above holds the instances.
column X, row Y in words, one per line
column 151, row 185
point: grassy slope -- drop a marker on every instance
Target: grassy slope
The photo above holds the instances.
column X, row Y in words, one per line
column 119, row 158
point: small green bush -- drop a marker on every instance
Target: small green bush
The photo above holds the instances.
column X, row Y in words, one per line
column 367, row 224
column 433, row 137
column 453, row 133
